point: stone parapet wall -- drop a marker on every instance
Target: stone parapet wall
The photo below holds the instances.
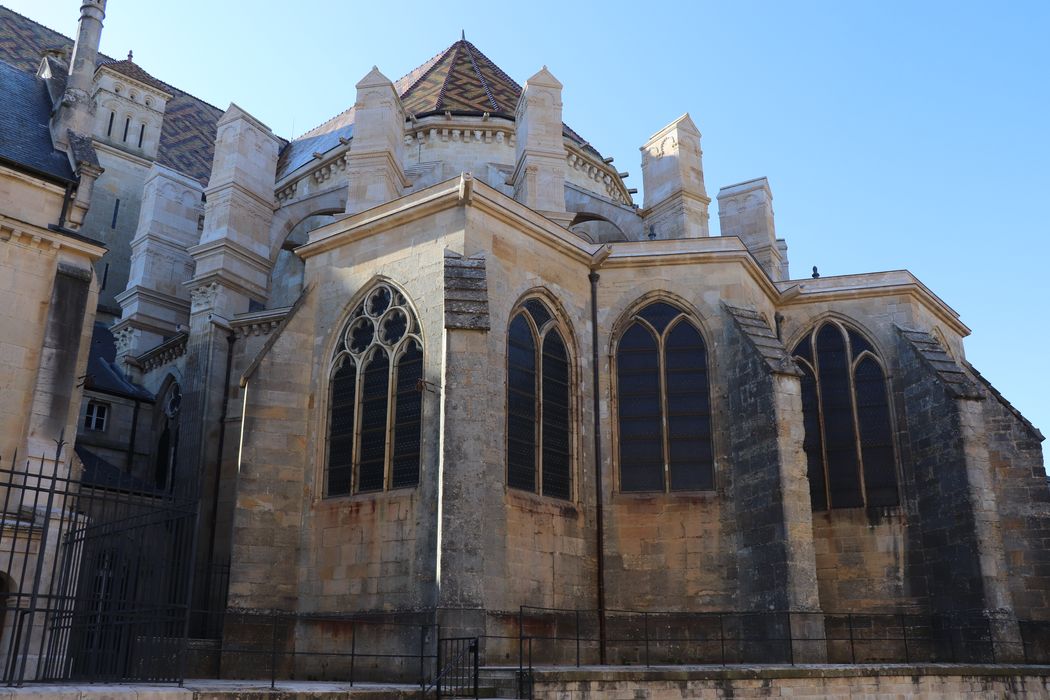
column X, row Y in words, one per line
column 882, row 681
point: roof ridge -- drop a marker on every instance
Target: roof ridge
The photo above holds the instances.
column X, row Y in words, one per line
column 109, row 59
column 481, row 78
column 493, row 65
column 434, row 61
column 311, row 130
column 444, row 83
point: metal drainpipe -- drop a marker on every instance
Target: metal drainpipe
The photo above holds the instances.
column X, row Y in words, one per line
column 598, row 490
column 131, row 443
column 66, row 200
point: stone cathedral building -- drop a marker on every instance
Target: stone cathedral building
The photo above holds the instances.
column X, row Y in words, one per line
column 434, row 357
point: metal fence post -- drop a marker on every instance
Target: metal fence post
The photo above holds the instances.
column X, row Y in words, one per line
column 904, row 634
column 353, row 648
column 645, row 623
column 475, row 645
column 273, row 649
column 577, row 638
column 852, row 649
column 422, row 651
column 722, row 637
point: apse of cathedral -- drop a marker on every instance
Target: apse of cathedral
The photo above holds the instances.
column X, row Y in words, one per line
column 435, row 357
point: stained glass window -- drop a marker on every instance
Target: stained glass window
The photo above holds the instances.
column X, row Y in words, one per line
column 664, row 404
column 845, row 407
column 375, row 400
column 539, row 451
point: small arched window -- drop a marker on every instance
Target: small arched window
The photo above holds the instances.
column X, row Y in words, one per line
column 663, row 403
column 539, row 455
column 375, row 404
column 848, row 435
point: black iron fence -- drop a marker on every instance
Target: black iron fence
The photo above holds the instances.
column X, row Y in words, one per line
column 457, row 668
column 93, row 576
column 550, row 636
column 392, row 648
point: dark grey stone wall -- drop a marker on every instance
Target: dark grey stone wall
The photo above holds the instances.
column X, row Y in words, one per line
column 754, row 465
column 1023, row 497
column 943, row 536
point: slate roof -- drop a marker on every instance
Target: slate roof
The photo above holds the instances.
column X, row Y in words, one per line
column 25, row 137
column 101, row 473
column 103, row 374
column 460, row 79
column 187, row 141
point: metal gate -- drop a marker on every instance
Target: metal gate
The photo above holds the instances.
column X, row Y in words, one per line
column 95, row 577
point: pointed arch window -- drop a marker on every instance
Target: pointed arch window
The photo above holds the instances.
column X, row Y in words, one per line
column 539, row 452
column 375, row 405
column 845, row 407
column 664, row 403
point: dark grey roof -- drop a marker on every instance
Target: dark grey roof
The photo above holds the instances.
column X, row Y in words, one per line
column 102, row 474
column 25, row 137
column 103, row 374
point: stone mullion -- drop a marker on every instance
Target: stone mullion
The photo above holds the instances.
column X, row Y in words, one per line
column 665, row 427
column 820, row 419
column 851, row 364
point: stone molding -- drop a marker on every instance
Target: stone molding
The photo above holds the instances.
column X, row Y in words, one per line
column 259, row 323
column 164, row 354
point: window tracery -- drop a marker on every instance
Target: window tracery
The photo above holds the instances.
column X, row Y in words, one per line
column 375, row 405
column 539, row 451
column 848, row 433
column 664, row 405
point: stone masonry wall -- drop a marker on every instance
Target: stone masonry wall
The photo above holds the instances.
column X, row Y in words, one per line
column 945, row 529
column 1023, row 497
column 861, row 559
column 756, row 495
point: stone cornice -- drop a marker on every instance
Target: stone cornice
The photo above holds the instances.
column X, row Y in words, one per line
column 212, row 195
column 165, row 353
column 103, row 147
column 868, row 285
column 259, row 322
column 154, row 297
column 22, row 233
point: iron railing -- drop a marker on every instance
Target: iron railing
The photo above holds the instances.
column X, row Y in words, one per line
column 552, row 636
column 95, row 585
column 457, row 668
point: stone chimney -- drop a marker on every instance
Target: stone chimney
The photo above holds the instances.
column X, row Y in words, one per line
column 76, row 110
column 539, row 175
column 676, row 200
column 745, row 210
column 376, row 158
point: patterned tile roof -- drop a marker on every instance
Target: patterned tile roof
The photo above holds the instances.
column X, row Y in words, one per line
column 134, row 71
column 460, row 79
column 187, row 141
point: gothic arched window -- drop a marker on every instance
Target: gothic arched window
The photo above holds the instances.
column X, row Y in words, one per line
column 375, row 404
column 846, row 414
column 538, row 399
column 664, row 403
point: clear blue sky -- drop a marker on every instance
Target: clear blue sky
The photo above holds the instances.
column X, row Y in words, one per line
column 894, row 134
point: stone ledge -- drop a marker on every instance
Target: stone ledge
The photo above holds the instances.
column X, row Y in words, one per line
column 760, row 672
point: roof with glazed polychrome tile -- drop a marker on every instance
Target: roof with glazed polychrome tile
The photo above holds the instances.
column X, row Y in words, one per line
column 187, row 140
column 460, row 79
